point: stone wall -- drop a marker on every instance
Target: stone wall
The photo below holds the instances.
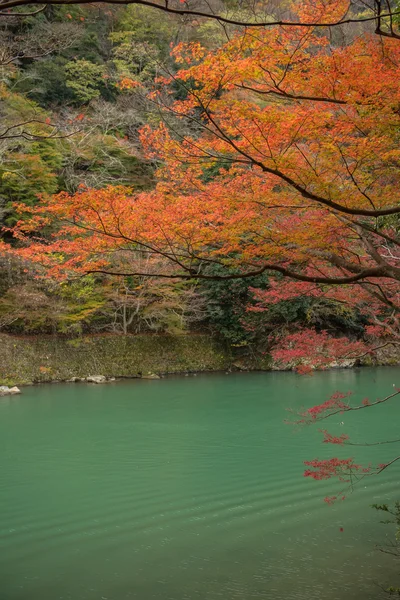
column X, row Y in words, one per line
column 25, row 360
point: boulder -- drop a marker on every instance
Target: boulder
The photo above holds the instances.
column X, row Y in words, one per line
column 96, row 379
column 344, row 363
column 151, row 376
column 6, row 391
column 14, row 390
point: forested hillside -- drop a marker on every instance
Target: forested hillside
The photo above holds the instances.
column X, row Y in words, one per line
column 67, row 122
column 160, row 148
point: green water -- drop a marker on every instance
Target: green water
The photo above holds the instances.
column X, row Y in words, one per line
column 189, row 488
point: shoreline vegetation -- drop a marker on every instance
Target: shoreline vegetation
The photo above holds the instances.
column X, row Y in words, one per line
column 27, row 360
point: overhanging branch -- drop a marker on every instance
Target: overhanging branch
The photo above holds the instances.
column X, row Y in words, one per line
column 376, row 272
column 165, row 7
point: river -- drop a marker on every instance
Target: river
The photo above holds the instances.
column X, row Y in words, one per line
column 191, row 488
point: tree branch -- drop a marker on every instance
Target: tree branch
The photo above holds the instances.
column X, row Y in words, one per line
column 192, row 274
column 283, row 94
column 165, row 7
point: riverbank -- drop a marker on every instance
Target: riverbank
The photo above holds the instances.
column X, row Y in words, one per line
column 38, row 359
column 25, row 360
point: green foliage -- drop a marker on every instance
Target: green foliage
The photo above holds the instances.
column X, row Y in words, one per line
column 181, row 89
column 213, row 171
column 144, row 25
column 137, row 60
column 16, row 107
column 321, row 313
column 49, row 150
column 141, row 43
column 85, row 79
column 46, row 82
column 389, row 221
column 227, row 303
column 28, row 166
column 82, row 301
column 41, row 306
column 329, row 314
column 23, row 176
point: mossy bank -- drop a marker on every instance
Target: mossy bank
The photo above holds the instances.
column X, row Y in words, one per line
column 25, row 360
column 39, row 359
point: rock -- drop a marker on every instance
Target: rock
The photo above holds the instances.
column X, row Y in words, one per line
column 112, row 379
column 74, row 380
column 240, row 366
column 14, row 390
column 342, row 364
column 96, row 379
column 151, row 376
column 6, row 391
column 348, row 363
